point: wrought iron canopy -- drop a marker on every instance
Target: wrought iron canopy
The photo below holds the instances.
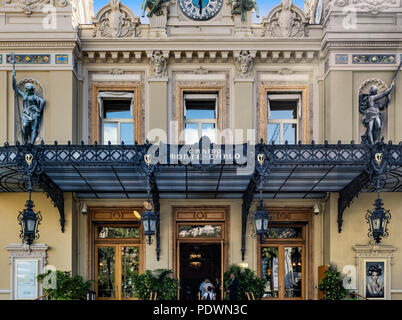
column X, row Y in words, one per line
column 202, row 171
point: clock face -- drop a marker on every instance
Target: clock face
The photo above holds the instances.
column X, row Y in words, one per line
column 200, row 9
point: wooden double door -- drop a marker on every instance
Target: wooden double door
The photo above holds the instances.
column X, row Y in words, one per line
column 117, row 258
column 283, row 261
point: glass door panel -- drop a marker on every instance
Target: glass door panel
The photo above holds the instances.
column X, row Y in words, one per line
column 270, row 271
column 130, row 263
column 293, row 272
column 106, row 280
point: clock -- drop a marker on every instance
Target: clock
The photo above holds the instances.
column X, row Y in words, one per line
column 318, row 12
column 200, row 9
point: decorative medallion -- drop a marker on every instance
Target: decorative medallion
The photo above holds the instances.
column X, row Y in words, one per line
column 341, row 59
column 28, row 159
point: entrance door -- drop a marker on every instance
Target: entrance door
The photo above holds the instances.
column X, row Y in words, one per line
column 197, row 262
column 117, row 259
column 283, row 262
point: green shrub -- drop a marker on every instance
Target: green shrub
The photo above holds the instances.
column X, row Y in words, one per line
column 159, row 281
column 332, row 285
column 67, row 287
column 247, row 281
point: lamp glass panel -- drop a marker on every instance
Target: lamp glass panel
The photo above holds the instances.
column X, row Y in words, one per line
column 258, row 224
column 31, row 225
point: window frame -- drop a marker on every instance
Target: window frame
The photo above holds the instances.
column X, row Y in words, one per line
column 117, row 121
column 200, row 97
column 96, row 130
column 196, row 88
column 303, row 132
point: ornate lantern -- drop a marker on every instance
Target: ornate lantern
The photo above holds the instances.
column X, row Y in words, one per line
column 149, row 222
column 378, row 220
column 29, row 222
column 261, row 220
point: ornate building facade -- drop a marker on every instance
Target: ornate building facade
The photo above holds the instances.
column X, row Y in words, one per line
column 297, row 80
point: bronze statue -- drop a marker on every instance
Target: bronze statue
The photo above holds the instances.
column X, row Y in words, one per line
column 154, row 6
column 33, row 106
column 241, row 6
column 370, row 106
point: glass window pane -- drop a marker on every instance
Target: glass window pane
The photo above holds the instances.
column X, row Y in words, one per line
column 127, row 133
column 130, row 259
column 200, row 231
column 117, row 109
column 110, row 133
column 269, row 271
column 191, row 133
column 289, row 133
column 200, row 109
column 106, row 272
column 118, row 232
column 208, row 130
column 284, row 233
column 293, row 272
column 283, row 110
column 273, row 133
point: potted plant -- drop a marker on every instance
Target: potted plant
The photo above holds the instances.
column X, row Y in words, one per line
column 159, row 281
column 67, row 287
column 247, row 282
column 332, row 285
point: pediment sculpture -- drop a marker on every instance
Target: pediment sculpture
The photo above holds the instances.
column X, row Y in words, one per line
column 242, row 6
column 154, row 7
column 115, row 20
column 285, row 21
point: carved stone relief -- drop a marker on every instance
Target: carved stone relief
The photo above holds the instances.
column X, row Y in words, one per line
column 115, row 20
column 285, row 21
column 371, row 6
column 244, row 62
column 159, row 60
column 28, row 6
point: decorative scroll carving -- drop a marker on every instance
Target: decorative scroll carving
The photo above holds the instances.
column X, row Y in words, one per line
column 115, row 20
column 244, row 62
column 159, row 61
column 29, row 5
column 285, row 20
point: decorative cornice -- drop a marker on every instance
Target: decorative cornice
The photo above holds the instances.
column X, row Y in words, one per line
column 328, row 45
column 34, row 44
